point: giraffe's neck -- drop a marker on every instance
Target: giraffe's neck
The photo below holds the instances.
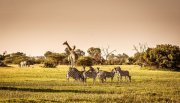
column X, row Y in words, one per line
column 69, row 47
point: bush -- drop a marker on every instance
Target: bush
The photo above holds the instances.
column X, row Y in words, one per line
column 163, row 56
column 85, row 61
column 39, row 60
column 2, row 64
column 49, row 63
column 15, row 58
column 56, row 57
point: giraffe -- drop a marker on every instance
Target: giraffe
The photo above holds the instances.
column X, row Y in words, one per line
column 72, row 56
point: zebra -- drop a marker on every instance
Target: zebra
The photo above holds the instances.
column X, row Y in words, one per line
column 102, row 75
column 75, row 74
column 91, row 73
column 24, row 64
column 122, row 73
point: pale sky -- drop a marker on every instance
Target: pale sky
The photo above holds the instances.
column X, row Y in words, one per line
column 36, row 26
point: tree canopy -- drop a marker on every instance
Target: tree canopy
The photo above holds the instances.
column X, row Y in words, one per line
column 162, row 56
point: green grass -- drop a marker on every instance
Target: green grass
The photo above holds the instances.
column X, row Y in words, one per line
column 46, row 85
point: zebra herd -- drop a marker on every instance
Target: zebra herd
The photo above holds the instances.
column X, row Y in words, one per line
column 92, row 73
column 24, row 64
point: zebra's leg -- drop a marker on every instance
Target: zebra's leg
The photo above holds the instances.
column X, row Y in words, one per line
column 111, row 79
column 81, row 80
column 67, row 77
column 105, row 79
column 102, row 80
column 130, row 78
column 94, row 79
column 121, row 78
column 118, row 78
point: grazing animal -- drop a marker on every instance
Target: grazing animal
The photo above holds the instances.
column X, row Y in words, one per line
column 24, row 64
column 122, row 73
column 72, row 56
column 75, row 74
column 102, row 75
column 91, row 73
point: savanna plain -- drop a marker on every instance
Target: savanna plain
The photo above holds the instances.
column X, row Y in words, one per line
column 44, row 85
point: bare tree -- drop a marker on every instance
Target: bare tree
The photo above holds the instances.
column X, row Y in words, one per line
column 106, row 52
column 142, row 47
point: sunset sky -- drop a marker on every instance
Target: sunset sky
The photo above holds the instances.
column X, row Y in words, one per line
column 36, row 26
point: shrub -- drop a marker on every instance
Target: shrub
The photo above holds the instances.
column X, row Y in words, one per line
column 2, row 64
column 85, row 61
column 49, row 63
column 163, row 56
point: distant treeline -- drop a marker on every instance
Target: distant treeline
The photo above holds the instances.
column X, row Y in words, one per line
column 162, row 56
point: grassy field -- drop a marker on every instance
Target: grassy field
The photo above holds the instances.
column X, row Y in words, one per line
column 46, row 85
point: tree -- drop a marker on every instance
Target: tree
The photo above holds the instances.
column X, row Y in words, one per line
column 117, row 59
column 39, row 59
column 111, row 59
column 142, row 47
column 163, row 56
column 80, row 52
column 95, row 53
column 123, row 58
column 138, row 56
column 53, row 59
column 15, row 58
column 2, row 57
column 131, row 60
column 106, row 52
column 85, row 61
column 50, row 63
column 62, row 58
column 48, row 54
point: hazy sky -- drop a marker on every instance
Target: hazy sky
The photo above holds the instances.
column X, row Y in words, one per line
column 35, row 26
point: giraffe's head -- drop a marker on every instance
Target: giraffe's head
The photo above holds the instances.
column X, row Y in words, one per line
column 65, row 43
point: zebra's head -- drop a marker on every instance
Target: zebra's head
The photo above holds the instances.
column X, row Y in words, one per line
column 117, row 69
column 113, row 71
